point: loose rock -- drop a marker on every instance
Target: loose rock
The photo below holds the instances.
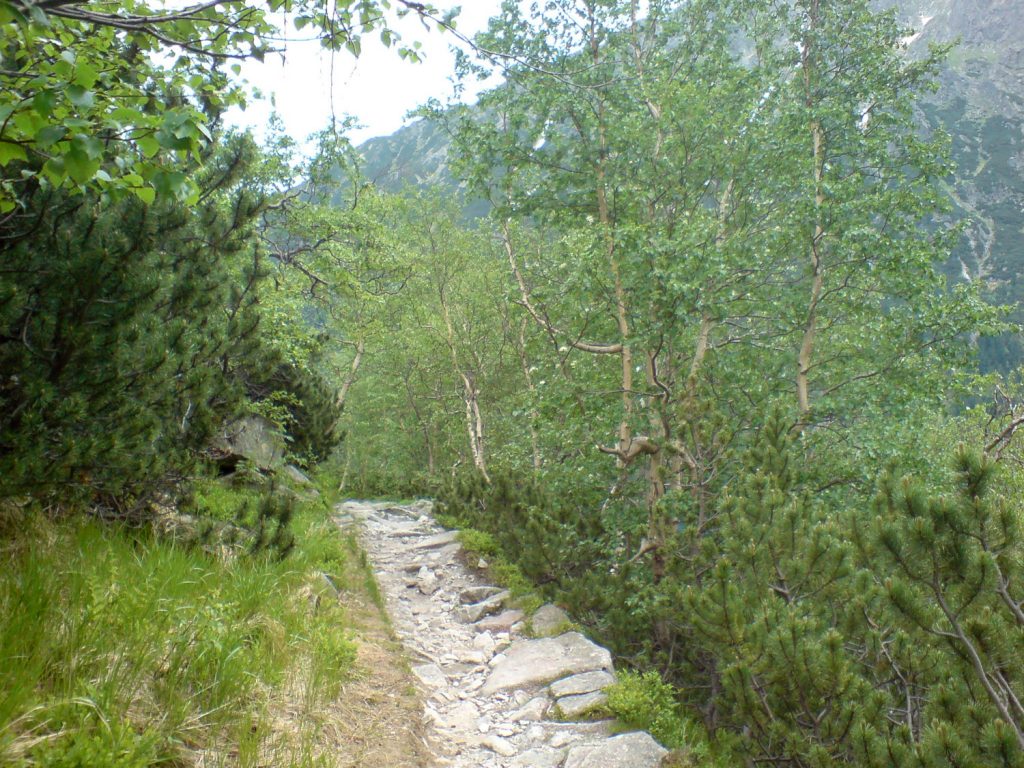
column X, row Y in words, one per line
column 476, row 594
column 574, row 707
column 582, row 683
column 503, row 622
column 426, row 581
column 549, row 620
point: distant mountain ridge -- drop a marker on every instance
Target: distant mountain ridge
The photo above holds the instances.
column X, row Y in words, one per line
column 980, row 102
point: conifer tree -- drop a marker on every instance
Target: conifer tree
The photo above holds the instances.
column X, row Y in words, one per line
column 120, row 327
column 955, row 565
column 767, row 613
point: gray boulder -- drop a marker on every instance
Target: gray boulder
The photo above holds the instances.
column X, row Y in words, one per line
column 537, row 662
column 476, row 594
column 630, row 750
column 253, row 438
column 503, row 622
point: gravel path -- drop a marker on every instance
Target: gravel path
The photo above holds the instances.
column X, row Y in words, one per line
column 491, row 695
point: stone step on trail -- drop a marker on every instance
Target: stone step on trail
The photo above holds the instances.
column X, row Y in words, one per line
column 490, row 694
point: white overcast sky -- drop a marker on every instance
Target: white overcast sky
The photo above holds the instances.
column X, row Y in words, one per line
column 377, row 88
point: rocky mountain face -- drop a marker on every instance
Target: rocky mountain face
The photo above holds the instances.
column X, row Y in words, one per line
column 980, row 103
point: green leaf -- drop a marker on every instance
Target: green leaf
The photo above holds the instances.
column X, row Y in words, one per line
column 85, row 75
column 55, row 171
column 90, row 145
column 169, row 183
column 81, row 97
column 126, row 116
column 50, row 135
column 27, row 121
column 145, row 194
column 149, row 145
column 167, row 139
column 9, row 152
column 81, row 168
column 43, row 103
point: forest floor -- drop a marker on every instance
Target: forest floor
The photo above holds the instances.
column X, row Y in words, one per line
column 488, row 696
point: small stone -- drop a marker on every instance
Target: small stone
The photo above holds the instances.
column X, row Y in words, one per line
column 572, row 707
column 430, row 675
column 503, row 622
column 499, row 745
column 535, row 733
column 483, row 724
column 539, row 758
column 470, row 613
column 426, row 581
column 481, row 564
column 446, row 555
column 535, row 709
column 462, row 716
column 583, row 683
column 437, row 541
column 561, row 739
column 484, row 642
column 423, row 508
column 476, row 594
column 471, row 657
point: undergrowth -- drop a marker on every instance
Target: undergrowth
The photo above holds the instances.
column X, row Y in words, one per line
column 121, row 649
column 481, row 545
column 644, row 701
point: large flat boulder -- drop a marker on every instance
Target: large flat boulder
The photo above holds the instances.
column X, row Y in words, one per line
column 537, row 662
column 630, row 750
column 253, row 438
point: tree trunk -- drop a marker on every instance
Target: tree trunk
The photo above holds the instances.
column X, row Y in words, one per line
column 470, row 393
column 532, row 389
column 805, row 356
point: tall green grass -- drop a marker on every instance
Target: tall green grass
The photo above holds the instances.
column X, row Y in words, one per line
column 118, row 649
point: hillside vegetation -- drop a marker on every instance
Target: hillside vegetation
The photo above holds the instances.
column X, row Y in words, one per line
column 701, row 374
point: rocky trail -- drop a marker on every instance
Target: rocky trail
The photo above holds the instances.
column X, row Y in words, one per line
column 493, row 696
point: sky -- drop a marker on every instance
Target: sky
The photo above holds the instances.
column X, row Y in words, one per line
column 377, row 88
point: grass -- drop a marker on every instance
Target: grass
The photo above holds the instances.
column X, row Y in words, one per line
column 119, row 649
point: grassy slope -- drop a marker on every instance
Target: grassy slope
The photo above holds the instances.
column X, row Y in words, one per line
column 118, row 649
